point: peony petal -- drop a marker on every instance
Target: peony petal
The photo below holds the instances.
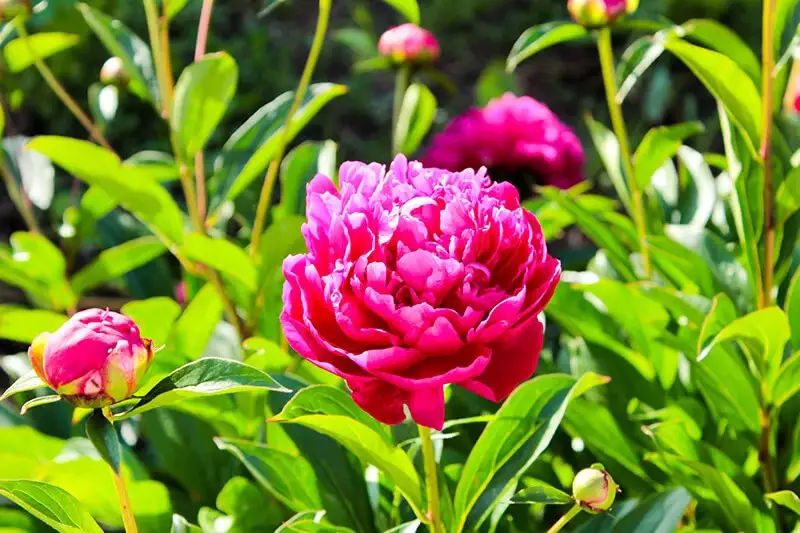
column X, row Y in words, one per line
column 381, row 400
column 427, row 407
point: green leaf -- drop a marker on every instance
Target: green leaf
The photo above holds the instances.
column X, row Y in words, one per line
column 327, row 400
column 27, row 382
column 660, row 513
column 115, row 262
column 154, row 316
column 297, row 169
column 146, row 199
column 37, row 402
column 288, row 477
column 23, row 325
column 17, row 53
column 104, row 439
column 370, row 447
column 786, row 498
column 719, row 37
column 792, row 308
column 408, row 8
column 205, row 377
column 195, row 327
column 700, row 197
column 179, row 523
column 635, row 61
column 787, row 383
column 787, row 199
column 245, row 502
column 310, row 522
column 520, row 432
column 41, row 260
column 222, row 255
column 245, row 156
column 726, row 81
column 608, row 147
column 202, row 94
column 50, row 504
column 134, row 52
column 33, row 170
column 544, row 494
column 416, row 117
column 494, row 82
column 537, row 38
column 174, row 7
column 658, row 146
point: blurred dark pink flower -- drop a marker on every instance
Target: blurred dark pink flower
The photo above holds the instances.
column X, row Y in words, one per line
column 408, row 43
column 796, row 99
column 180, row 292
column 511, row 135
column 97, row 358
column 598, row 13
column 417, row 278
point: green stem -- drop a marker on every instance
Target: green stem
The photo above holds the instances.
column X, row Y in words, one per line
column 272, row 172
column 154, row 32
column 122, row 491
column 17, row 199
column 200, row 51
column 768, row 63
column 402, row 79
column 572, row 513
column 62, row 94
column 431, row 480
column 618, row 123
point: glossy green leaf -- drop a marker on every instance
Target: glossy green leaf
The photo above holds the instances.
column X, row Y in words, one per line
column 310, row 522
column 537, row 38
column 23, row 325
column 660, row 513
column 415, row 119
column 104, row 439
column 27, row 382
column 246, row 154
column 195, row 327
column 608, row 148
column 250, row 508
column 635, row 61
column 39, row 259
column 787, row 198
column 786, row 498
column 146, row 199
column 731, row 497
column 202, row 94
column 17, row 53
column 297, row 169
column 518, row 435
column 50, row 504
column 115, row 262
column 727, row 82
column 154, row 316
column 543, row 494
column 408, row 8
column 700, row 197
column 659, row 145
column 202, row 378
column 222, row 255
column 787, row 382
column 134, row 52
column 370, row 447
column 38, row 402
column 721, row 38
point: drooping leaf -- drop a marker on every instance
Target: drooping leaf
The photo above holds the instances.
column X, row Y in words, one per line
column 104, row 438
column 17, row 53
column 27, row 382
column 415, row 119
column 50, row 504
column 542, row 494
column 38, row 402
column 202, row 378
column 222, row 255
column 518, row 435
column 115, row 262
column 408, row 8
column 202, row 94
column 608, row 147
column 785, row 498
column 537, row 38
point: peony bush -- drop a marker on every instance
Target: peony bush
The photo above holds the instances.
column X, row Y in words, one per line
column 418, row 343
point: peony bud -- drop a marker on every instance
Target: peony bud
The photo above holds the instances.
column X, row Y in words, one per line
column 12, row 8
column 113, row 72
column 594, row 489
column 599, row 13
column 408, row 43
column 97, row 358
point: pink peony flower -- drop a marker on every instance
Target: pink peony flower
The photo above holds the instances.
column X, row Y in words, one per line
column 796, row 99
column 511, row 135
column 408, row 43
column 95, row 359
column 417, row 278
column 598, row 13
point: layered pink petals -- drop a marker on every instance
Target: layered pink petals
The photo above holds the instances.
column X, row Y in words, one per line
column 417, row 278
column 512, row 134
column 408, row 43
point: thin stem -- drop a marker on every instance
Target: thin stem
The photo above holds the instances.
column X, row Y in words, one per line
column 15, row 193
column 272, row 172
column 766, row 459
column 62, row 94
column 188, row 192
column 402, row 78
column 431, row 480
column 767, row 90
column 230, row 309
column 618, row 122
column 122, row 491
column 564, row 520
column 166, row 59
column 199, row 52
column 153, row 31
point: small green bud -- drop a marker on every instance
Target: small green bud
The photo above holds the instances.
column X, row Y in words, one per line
column 13, row 8
column 113, row 72
column 594, row 489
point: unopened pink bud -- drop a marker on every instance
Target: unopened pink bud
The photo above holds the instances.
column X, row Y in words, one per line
column 408, row 43
column 97, row 358
column 599, row 13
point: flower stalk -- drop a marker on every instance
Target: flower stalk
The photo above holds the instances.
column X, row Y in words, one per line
column 765, row 151
column 199, row 52
column 402, row 80
column 128, row 520
column 564, row 520
column 17, row 198
column 618, row 122
column 431, row 480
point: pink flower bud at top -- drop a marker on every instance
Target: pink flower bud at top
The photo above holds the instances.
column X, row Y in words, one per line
column 12, row 8
column 594, row 489
column 599, row 13
column 113, row 72
column 408, row 43
column 97, row 358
